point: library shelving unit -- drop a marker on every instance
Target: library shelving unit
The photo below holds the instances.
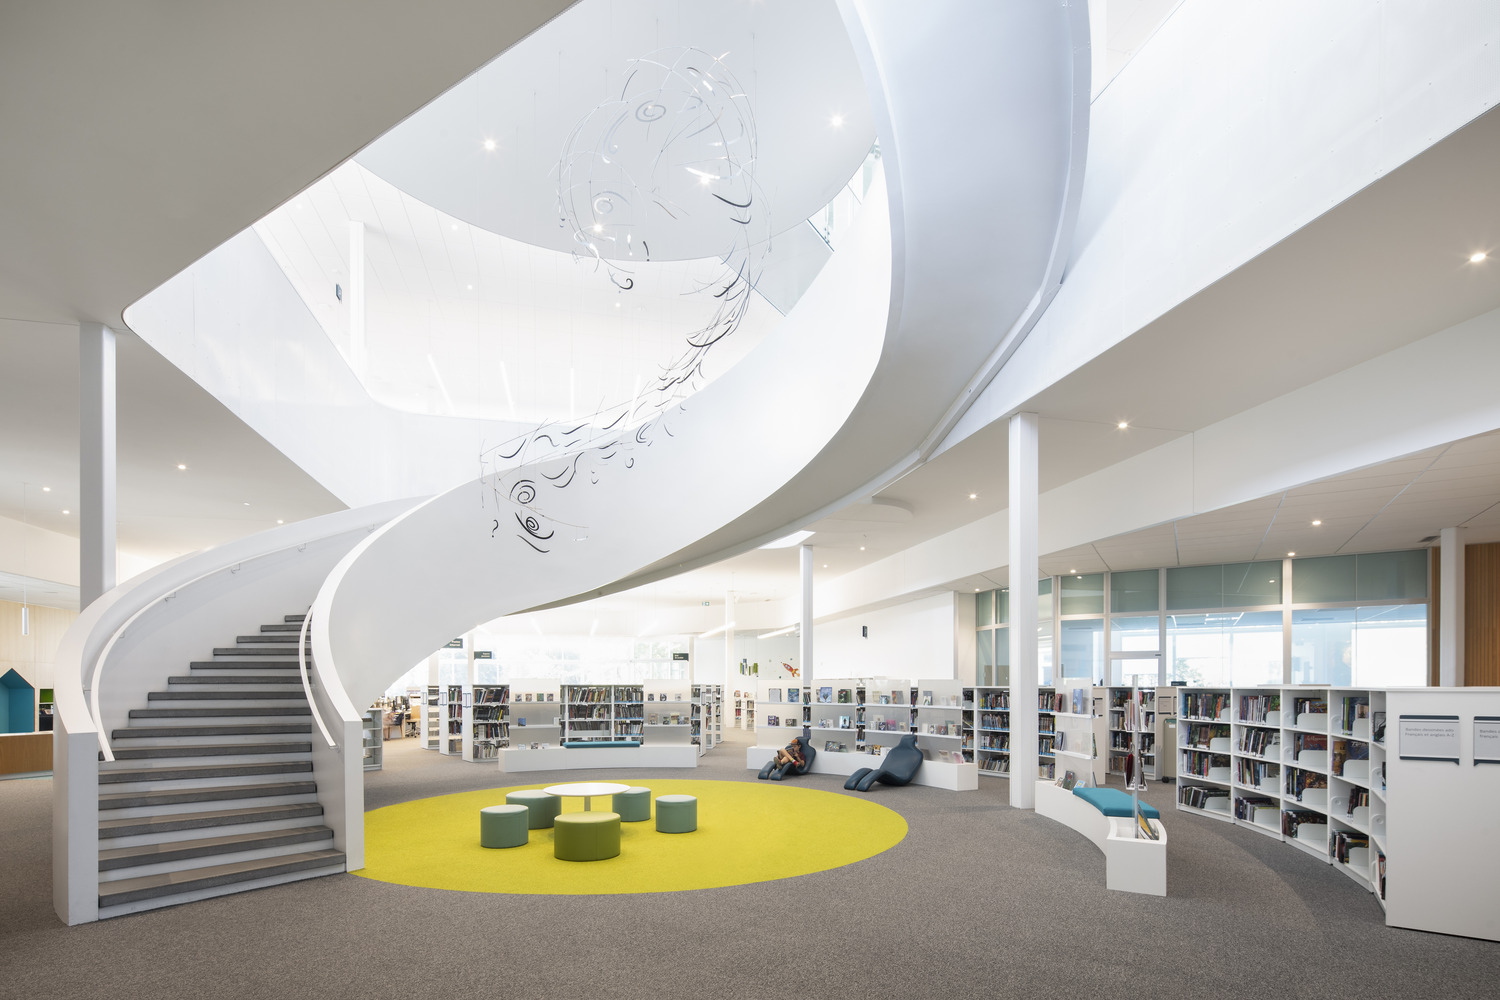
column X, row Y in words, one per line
column 455, row 704
column 937, row 719
column 850, row 720
column 708, row 716
column 992, row 730
column 373, row 733
column 1046, row 733
column 432, row 723
column 487, row 723
column 1078, row 732
column 744, row 707
column 601, row 725
column 534, row 715
column 967, row 723
column 1130, row 714
column 1203, row 751
column 668, row 713
column 1303, row 766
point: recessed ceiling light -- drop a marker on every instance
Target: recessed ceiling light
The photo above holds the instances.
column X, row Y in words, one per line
column 973, row 496
column 1123, row 424
column 1475, row 258
column 67, row 512
column 617, row 303
column 861, row 548
column 469, row 287
column 1317, row 523
column 489, row 144
column 598, row 228
column 46, row 489
column 280, row 521
column 1290, row 554
column 825, row 565
column 181, row 467
column 837, row 121
column 247, row 503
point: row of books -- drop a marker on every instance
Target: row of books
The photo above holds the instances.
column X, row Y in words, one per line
column 1256, row 707
column 1205, row 705
column 1199, row 764
column 1199, row 796
column 1299, row 781
column 1260, row 743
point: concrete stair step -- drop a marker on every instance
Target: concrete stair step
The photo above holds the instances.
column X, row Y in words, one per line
column 207, row 793
column 284, row 639
column 289, row 619
column 242, row 665
column 238, row 697
column 119, row 858
column 133, row 826
column 193, row 772
column 285, row 677
column 283, row 627
column 263, row 651
column 211, row 750
column 219, row 712
column 171, row 884
column 248, row 729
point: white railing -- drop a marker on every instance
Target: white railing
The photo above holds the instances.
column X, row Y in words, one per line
column 312, row 702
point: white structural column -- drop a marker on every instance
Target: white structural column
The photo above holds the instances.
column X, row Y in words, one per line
column 356, row 296
column 1451, row 610
column 96, row 454
column 731, row 668
column 1023, row 609
column 805, row 619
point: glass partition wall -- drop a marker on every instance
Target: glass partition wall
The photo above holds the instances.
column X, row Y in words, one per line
column 1358, row 620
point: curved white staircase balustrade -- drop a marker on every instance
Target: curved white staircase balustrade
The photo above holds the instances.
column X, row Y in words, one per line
column 131, row 639
column 941, row 275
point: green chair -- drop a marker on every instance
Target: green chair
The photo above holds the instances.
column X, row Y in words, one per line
column 633, row 805
column 544, row 808
column 503, row 826
column 676, row 813
column 586, row 836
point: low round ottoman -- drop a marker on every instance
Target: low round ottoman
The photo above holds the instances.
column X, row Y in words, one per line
column 633, row 805
column 586, row 836
column 503, row 826
column 676, row 813
column 543, row 808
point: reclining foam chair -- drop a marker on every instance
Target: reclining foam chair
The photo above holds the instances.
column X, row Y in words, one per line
column 776, row 773
column 897, row 767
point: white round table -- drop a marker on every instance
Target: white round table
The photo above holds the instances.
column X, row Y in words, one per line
column 585, row 789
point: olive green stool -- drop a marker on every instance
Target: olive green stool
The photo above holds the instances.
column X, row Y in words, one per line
column 676, row 813
column 633, row 805
column 542, row 807
column 586, row 836
column 503, row 826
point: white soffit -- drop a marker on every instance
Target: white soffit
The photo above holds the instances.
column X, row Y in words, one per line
column 792, row 57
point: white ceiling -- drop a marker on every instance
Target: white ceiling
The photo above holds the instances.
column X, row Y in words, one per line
column 791, row 57
column 460, row 321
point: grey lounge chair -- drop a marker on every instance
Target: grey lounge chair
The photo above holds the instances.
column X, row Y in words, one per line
column 897, row 767
column 774, row 772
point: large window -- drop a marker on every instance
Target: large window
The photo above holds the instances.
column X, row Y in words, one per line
column 1376, row 646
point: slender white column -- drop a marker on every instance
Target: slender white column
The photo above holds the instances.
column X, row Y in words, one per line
column 1451, row 611
column 1024, row 571
column 356, row 294
column 96, row 454
column 731, row 665
column 805, row 621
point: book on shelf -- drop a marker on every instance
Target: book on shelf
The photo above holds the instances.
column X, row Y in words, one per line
column 1146, row 829
column 1377, row 727
column 845, row 696
column 1205, row 705
column 1069, row 779
column 926, row 697
column 773, row 694
column 825, row 696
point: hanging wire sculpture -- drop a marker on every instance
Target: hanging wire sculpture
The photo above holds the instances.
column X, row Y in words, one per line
column 676, row 146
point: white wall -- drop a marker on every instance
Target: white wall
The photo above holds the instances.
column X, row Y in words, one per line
column 915, row 639
column 50, row 555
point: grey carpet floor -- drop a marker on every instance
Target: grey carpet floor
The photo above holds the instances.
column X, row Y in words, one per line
column 979, row 900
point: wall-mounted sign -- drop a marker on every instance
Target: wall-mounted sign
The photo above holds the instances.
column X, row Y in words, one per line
column 1429, row 737
column 484, row 654
column 679, row 656
column 1487, row 739
column 454, row 644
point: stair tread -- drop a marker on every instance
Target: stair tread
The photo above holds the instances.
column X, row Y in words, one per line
column 131, row 826
column 180, row 850
column 234, row 651
column 283, row 627
column 210, row 750
column 294, row 618
column 284, row 638
column 188, row 694
column 281, row 678
column 246, row 729
column 205, row 793
column 187, row 772
column 223, row 712
column 242, row 665
column 131, row 890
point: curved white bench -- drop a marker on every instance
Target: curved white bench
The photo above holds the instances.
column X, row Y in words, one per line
column 1130, row 864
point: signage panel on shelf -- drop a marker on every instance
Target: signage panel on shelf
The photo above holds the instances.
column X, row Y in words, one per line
column 1429, row 737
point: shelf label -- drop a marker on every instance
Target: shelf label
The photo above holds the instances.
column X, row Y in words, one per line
column 1429, row 737
column 454, row 644
column 1487, row 739
column 484, row 654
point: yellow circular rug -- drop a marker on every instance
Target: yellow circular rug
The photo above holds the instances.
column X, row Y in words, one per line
column 747, row 832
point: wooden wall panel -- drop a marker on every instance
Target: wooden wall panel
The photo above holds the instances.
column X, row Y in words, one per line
column 1434, row 602
column 1482, row 615
column 32, row 655
column 25, row 753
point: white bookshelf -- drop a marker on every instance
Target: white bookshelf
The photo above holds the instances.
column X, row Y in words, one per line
column 938, row 720
column 707, row 729
column 603, row 713
column 487, row 723
column 452, row 709
column 833, row 717
column 432, row 720
column 1130, row 718
column 372, row 733
column 781, row 712
column 1204, row 758
column 668, row 713
column 1079, row 723
column 991, row 727
column 534, row 715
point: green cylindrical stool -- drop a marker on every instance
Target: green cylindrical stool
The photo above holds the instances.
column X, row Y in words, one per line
column 542, row 807
column 633, row 805
column 503, row 826
column 676, row 813
column 586, row 836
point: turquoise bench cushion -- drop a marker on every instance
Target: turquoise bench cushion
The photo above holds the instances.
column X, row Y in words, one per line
column 588, row 744
column 1113, row 802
